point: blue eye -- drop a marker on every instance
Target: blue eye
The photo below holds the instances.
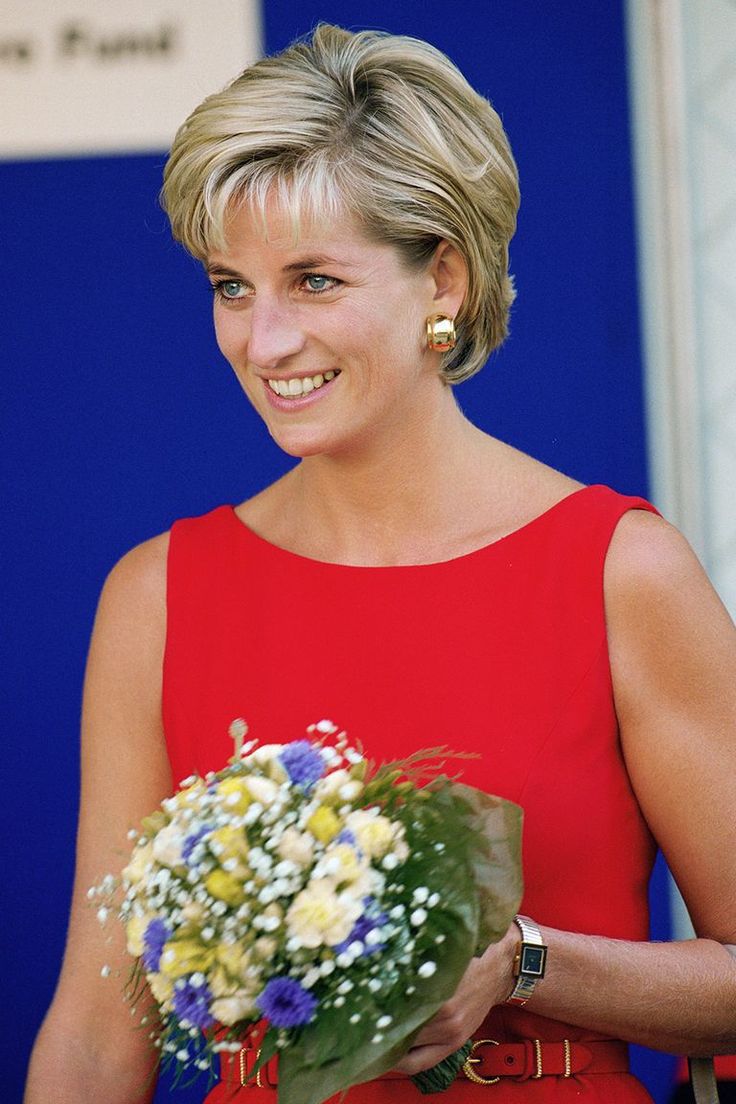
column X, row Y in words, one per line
column 317, row 283
column 231, row 289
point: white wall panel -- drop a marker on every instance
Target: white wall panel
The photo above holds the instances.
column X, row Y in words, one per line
column 683, row 64
column 683, row 79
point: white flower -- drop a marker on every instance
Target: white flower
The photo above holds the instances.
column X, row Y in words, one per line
column 265, row 946
column 427, row 969
column 327, row 728
column 167, row 845
column 262, row 789
column 384, row 1021
column 228, row 1010
column 417, row 917
column 311, row 978
column 296, row 847
column 330, row 784
column 318, row 915
column 420, row 895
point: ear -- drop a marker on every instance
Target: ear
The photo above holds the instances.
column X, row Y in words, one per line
column 449, row 274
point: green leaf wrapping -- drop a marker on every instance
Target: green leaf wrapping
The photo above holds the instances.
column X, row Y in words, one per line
column 441, row 1076
column 478, row 874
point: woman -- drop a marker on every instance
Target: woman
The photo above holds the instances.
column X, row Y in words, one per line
column 352, row 200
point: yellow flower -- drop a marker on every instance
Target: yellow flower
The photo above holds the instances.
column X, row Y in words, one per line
column 318, row 915
column 220, row 982
column 190, row 795
column 161, row 987
column 347, row 865
column 233, row 958
column 135, row 871
column 324, row 824
column 234, row 792
column 231, row 842
column 225, row 887
column 374, row 834
column 185, row 956
column 134, row 930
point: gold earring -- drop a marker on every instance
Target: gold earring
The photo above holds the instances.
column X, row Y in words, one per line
column 441, row 335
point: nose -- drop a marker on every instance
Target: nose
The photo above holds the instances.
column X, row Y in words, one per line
column 275, row 333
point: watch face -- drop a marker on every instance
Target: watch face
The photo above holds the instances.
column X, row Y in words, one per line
column 532, row 960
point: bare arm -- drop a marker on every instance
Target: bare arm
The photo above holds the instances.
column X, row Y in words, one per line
column 89, row 1047
column 673, row 661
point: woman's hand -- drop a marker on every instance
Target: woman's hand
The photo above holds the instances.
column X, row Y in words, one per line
column 487, row 981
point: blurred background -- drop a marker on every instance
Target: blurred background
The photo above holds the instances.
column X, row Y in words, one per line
column 120, row 415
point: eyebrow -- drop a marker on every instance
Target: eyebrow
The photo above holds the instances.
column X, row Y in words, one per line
column 316, row 261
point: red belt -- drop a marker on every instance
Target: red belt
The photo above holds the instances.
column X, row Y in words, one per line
column 489, row 1061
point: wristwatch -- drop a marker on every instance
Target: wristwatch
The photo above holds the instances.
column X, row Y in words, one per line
column 529, row 961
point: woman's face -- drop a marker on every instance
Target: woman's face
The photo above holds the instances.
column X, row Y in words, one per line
column 327, row 337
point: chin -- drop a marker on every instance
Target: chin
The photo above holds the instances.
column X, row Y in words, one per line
column 301, row 445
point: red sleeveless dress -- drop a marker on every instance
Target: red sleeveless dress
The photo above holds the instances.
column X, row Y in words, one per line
column 502, row 652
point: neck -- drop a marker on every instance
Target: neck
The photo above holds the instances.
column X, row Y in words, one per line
column 386, row 503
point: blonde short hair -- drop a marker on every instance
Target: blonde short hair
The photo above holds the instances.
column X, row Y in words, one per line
column 382, row 126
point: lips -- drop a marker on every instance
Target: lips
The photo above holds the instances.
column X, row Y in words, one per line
column 298, row 386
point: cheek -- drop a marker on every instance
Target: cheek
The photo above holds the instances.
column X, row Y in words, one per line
column 230, row 335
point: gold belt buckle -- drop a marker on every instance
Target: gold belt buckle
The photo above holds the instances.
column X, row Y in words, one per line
column 245, row 1080
column 470, row 1061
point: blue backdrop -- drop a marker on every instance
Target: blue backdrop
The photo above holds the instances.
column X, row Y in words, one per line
column 121, row 414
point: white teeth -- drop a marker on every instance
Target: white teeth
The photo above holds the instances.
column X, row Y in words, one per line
column 294, row 388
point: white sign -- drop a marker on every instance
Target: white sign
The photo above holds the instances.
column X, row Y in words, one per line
column 89, row 76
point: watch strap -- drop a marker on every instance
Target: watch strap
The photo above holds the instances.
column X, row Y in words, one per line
column 529, row 962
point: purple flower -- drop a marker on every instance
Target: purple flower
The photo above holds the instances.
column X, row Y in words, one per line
column 192, row 1004
column 368, row 922
column 303, row 763
column 154, row 937
column 286, row 1003
column 191, row 842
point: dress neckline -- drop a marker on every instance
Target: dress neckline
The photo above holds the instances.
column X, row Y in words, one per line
column 266, row 545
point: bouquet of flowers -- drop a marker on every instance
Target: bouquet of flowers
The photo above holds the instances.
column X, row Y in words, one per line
column 307, row 890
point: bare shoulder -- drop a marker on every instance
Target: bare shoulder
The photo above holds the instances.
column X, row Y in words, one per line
column 141, row 572
column 672, row 648
column 652, row 569
column 128, row 639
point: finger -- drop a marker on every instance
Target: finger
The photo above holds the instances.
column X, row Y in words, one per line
column 421, row 1058
column 432, row 1035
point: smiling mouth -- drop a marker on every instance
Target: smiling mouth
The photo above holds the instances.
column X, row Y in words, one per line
column 296, row 388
